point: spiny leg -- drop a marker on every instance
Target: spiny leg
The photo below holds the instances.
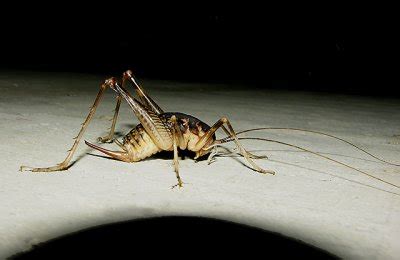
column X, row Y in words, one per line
column 206, row 138
column 159, row 133
column 162, row 136
column 177, row 136
column 152, row 124
column 143, row 96
column 64, row 164
column 109, row 138
column 146, row 101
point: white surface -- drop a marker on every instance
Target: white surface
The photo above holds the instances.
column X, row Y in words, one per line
column 311, row 199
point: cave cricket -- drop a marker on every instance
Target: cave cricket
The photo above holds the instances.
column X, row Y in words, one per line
column 170, row 131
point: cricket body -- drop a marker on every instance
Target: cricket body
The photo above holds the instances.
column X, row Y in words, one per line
column 189, row 129
column 157, row 131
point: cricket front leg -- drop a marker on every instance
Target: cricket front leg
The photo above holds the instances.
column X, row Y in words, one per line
column 64, row 165
column 177, row 136
column 220, row 123
column 251, row 155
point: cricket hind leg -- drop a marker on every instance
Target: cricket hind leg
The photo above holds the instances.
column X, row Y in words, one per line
column 145, row 99
column 220, row 123
column 143, row 96
column 64, row 165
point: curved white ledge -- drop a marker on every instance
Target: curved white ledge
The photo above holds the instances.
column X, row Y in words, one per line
column 311, row 199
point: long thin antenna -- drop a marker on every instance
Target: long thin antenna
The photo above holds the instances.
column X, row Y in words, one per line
column 315, row 153
column 315, row 132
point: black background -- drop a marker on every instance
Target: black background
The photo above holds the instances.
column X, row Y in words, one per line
column 335, row 48
column 331, row 48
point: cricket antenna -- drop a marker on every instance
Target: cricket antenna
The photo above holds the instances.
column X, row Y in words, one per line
column 226, row 140
column 320, row 133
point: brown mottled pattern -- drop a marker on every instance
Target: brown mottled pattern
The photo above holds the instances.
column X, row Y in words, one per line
column 139, row 143
column 142, row 146
column 187, row 121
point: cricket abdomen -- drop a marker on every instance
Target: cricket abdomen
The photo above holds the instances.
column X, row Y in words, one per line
column 139, row 144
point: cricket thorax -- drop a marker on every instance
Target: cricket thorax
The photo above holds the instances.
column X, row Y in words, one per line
column 192, row 129
column 140, row 145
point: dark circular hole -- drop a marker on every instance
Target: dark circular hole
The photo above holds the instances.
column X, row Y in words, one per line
column 169, row 237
